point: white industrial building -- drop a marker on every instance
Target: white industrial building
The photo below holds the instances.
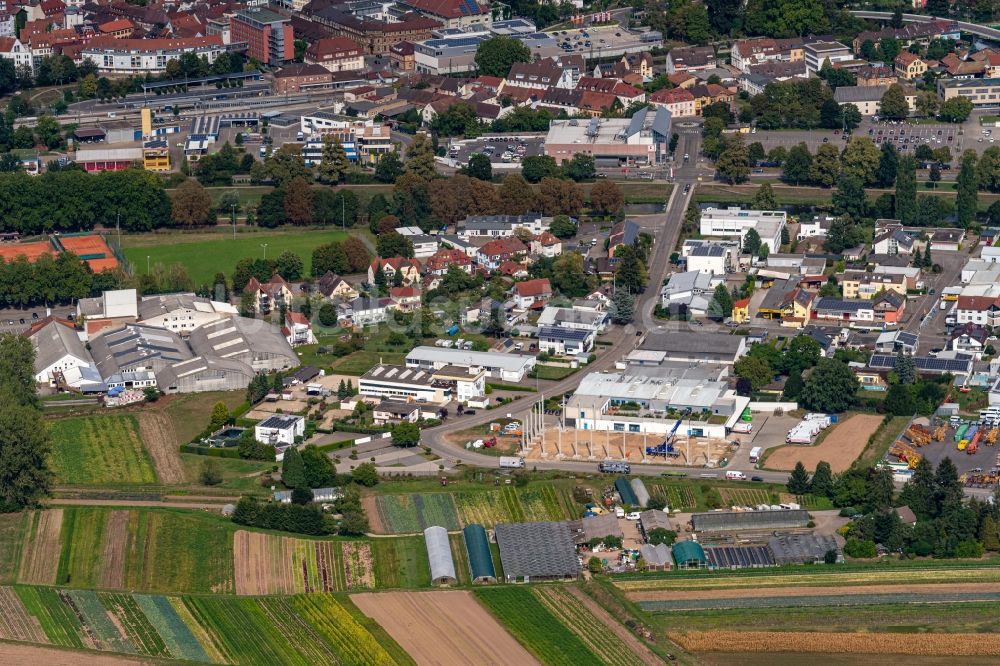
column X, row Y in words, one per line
column 182, row 313
column 736, row 221
column 504, row 367
column 711, row 257
column 439, row 386
column 61, row 357
column 591, row 407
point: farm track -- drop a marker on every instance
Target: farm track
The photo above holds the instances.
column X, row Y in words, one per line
column 42, row 548
column 157, row 433
column 950, row 645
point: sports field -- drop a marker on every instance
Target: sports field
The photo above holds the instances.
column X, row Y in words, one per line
column 206, row 253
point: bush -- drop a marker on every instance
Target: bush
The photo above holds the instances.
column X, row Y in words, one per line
column 969, row 549
column 595, row 566
column 211, row 451
column 210, row 474
column 848, row 511
column 860, row 549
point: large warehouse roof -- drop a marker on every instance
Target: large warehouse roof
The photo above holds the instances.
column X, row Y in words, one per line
column 749, row 520
column 439, row 554
column 802, row 548
column 657, row 556
column 537, row 550
column 511, row 362
column 480, row 558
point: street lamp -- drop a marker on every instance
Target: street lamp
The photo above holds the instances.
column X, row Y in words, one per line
column 147, row 264
column 264, row 245
column 232, row 208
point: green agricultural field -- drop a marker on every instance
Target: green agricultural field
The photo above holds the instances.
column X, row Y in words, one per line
column 531, row 623
column 99, row 449
column 11, row 540
column 206, row 253
column 149, row 550
column 408, row 514
column 401, row 562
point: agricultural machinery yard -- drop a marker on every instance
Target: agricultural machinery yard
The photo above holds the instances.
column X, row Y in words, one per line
column 971, row 446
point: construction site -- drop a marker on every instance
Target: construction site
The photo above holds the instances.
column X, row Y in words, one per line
column 971, row 445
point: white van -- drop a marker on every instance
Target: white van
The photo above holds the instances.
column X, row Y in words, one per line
column 632, row 515
column 736, row 476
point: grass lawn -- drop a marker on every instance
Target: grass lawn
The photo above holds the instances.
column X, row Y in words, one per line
column 236, row 474
column 553, row 372
column 99, row 449
column 191, row 413
column 208, row 252
column 883, row 439
column 401, row 562
column 362, row 361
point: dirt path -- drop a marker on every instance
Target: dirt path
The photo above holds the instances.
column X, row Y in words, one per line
column 157, row 434
column 447, row 627
column 11, row 653
column 634, row 644
column 370, row 504
column 840, row 448
column 134, row 503
column 821, row 591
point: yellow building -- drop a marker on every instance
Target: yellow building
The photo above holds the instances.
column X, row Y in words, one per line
column 865, row 286
column 156, row 156
column 741, row 311
column 909, row 66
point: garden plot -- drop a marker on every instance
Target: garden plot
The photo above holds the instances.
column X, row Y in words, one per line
column 42, row 547
column 508, row 504
column 676, row 496
column 99, row 450
column 744, row 496
column 15, row 622
column 410, row 514
column 178, row 638
column 269, row 564
column 12, row 527
column 60, row 623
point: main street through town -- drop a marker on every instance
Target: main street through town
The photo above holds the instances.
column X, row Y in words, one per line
column 666, row 228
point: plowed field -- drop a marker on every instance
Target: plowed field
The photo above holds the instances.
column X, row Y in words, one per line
column 40, row 558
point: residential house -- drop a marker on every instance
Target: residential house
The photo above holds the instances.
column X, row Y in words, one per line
column 689, row 292
column 679, row 101
column 788, row 302
column 910, row 33
column 546, row 245
column 404, row 299
column 691, row 59
column 853, row 312
column 539, row 75
column 819, row 53
column 889, row 307
column 500, row 226
column 814, row 228
column 297, row 329
column 280, row 430
column 336, row 288
column 625, row 232
column 363, row 311
column 561, row 341
column 746, row 53
column 969, row 339
column 409, row 270
column 865, row 286
column 910, row 66
column 979, row 310
column 893, row 240
column 714, row 258
column 585, row 320
column 443, row 259
column 336, row 54
column 711, row 93
column 741, row 311
column 875, row 75
column 624, row 93
column 639, row 63
column 529, row 292
column 395, row 411
column 495, row 252
column 269, row 296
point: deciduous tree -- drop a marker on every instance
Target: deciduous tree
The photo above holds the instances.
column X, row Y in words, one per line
column 191, row 205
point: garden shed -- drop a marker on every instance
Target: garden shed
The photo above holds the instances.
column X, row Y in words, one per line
column 641, row 494
column 439, row 555
column 626, row 492
column 480, row 557
column 689, row 555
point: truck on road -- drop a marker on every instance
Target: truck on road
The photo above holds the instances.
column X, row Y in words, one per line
column 511, row 462
column 755, row 453
column 614, row 467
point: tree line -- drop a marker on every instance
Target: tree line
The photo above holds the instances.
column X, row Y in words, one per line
column 24, row 439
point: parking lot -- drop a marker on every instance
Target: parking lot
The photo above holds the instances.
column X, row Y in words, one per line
column 505, row 151
column 905, row 136
column 599, row 42
column 18, row 320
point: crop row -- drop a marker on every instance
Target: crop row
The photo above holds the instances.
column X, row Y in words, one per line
column 408, row 514
column 764, row 578
column 822, row 601
column 176, row 635
column 535, row 627
column 351, row 641
column 950, row 645
column 604, row 643
column 676, row 496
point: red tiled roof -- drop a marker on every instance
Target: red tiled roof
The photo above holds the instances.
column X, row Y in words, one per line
column 535, row 288
column 502, row 246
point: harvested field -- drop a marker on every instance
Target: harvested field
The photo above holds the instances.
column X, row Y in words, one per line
column 957, row 645
column 15, row 622
column 370, row 505
column 116, row 541
column 157, row 432
column 840, row 448
column 269, row 564
column 446, row 627
column 42, row 547
column 30, row 654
